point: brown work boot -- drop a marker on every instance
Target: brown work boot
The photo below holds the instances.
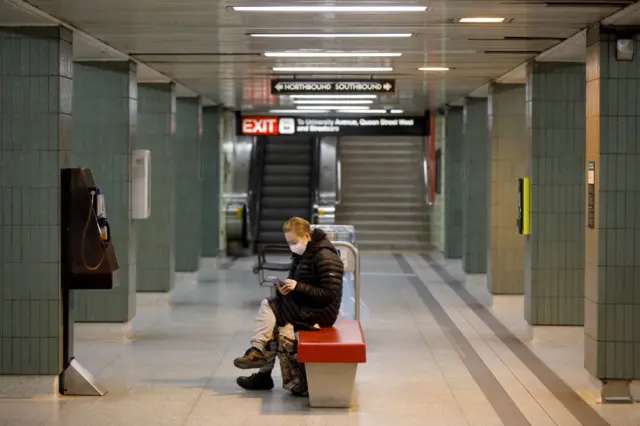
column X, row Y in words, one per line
column 253, row 358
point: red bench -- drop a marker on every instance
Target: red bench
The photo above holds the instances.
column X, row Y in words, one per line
column 331, row 357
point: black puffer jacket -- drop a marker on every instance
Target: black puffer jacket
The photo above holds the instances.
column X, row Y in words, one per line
column 318, row 294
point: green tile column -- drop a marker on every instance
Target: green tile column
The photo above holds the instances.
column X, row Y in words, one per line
column 510, row 147
column 436, row 220
column 36, row 71
column 612, row 264
column 156, row 235
column 554, row 259
column 105, row 105
column 476, row 151
column 211, row 177
column 188, row 157
column 453, row 189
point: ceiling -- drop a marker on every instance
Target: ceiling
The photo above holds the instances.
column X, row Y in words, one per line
column 205, row 46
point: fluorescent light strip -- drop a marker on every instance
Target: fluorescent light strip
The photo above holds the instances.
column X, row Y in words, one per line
column 481, row 20
column 397, row 111
column 370, row 111
column 335, row 101
column 329, row 8
column 433, row 69
column 332, row 55
column 331, row 107
column 332, row 96
column 297, row 111
column 332, row 69
column 330, row 35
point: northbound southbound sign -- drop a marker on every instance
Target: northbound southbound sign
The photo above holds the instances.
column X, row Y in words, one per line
column 290, row 87
column 334, row 126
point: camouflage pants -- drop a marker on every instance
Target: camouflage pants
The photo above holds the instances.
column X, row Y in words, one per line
column 294, row 377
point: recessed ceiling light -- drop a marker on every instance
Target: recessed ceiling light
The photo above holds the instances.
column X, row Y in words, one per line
column 295, row 111
column 323, row 107
column 332, row 96
column 332, row 35
column 332, row 69
column 369, row 111
column 481, row 20
column 397, row 111
column 433, row 69
column 338, row 9
column 331, row 54
column 334, row 101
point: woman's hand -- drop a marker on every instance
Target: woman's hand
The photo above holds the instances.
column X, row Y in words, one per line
column 287, row 287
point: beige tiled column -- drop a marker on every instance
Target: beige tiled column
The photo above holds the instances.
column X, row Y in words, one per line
column 509, row 154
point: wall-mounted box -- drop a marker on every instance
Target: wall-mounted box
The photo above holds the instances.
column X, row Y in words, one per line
column 140, row 184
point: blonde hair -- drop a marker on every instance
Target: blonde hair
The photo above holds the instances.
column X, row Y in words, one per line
column 298, row 226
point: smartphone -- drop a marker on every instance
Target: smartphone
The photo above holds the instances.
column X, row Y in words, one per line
column 276, row 281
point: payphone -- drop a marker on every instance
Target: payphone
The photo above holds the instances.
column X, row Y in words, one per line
column 87, row 262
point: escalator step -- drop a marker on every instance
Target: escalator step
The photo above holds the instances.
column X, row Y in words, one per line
column 285, row 202
column 283, row 180
column 287, row 159
column 285, row 191
column 283, row 214
column 286, row 170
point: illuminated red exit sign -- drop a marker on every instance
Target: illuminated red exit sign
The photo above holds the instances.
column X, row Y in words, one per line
column 260, row 126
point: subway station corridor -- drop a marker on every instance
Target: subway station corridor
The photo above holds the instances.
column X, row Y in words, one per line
column 436, row 356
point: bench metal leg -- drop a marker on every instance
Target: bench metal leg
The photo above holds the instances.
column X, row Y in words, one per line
column 331, row 385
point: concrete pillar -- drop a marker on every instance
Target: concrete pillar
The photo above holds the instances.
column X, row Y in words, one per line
column 509, row 155
column 612, row 239
column 554, row 274
column 437, row 212
column 453, row 188
column 36, row 71
column 211, row 181
column 475, row 181
column 188, row 157
column 104, row 121
column 156, row 132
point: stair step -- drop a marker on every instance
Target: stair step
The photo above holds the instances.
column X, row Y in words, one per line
column 390, row 225
column 350, row 153
column 373, row 245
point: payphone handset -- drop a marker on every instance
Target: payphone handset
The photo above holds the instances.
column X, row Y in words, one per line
column 98, row 215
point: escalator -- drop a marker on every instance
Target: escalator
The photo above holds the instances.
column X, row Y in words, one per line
column 284, row 185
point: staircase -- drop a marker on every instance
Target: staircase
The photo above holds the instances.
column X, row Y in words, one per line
column 383, row 193
column 286, row 186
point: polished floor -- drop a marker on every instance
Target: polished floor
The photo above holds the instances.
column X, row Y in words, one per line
column 436, row 356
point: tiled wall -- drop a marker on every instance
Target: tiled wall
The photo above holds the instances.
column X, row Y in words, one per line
column 510, row 151
column 453, row 189
column 436, row 221
column 156, row 132
column 476, row 153
column 104, row 128
column 554, row 276
column 211, row 181
column 36, row 71
column 612, row 266
column 188, row 168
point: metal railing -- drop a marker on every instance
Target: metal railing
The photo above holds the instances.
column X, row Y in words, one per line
column 338, row 180
column 425, row 171
column 352, row 264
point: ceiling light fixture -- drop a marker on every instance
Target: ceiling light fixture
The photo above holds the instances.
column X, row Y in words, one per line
column 433, row 69
column 335, row 101
column 397, row 111
column 370, row 111
column 332, row 107
column 481, row 20
column 329, row 9
column 332, row 69
column 296, row 111
column 332, row 96
column 331, row 35
column 331, row 55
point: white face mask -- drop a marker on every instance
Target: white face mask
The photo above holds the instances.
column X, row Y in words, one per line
column 298, row 248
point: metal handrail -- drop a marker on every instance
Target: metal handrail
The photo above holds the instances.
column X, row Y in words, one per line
column 356, row 272
column 425, row 171
column 338, row 179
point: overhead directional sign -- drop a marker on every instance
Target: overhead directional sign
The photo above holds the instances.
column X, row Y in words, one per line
column 390, row 125
column 290, row 87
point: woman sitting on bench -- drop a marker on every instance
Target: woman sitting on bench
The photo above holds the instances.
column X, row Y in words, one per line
column 310, row 297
